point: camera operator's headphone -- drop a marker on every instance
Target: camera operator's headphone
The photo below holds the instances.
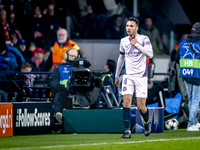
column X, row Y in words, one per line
column 66, row 56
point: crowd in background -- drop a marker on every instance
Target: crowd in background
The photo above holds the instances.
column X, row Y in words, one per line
column 38, row 22
column 29, row 28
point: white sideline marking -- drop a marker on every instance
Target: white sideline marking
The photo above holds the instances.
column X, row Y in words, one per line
column 59, row 146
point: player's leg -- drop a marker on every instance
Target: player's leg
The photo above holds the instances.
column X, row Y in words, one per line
column 141, row 104
column 127, row 99
column 141, row 94
column 127, row 91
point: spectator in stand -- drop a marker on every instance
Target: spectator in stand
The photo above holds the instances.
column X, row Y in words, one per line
column 51, row 25
column 92, row 24
column 86, row 17
column 36, row 29
column 37, row 59
column 12, row 22
column 115, row 29
column 26, row 67
column 9, row 5
column 114, row 7
column 12, row 49
column 19, row 56
column 152, row 32
column 6, row 40
column 22, row 80
column 13, row 25
column 59, row 49
column 165, row 42
column 29, row 49
column 6, row 26
column 11, row 31
column 3, row 94
column 21, row 46
column 18, row 7
column 8, row 61
column 15, row 36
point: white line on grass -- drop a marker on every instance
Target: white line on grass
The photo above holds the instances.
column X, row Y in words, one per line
column 59, row 146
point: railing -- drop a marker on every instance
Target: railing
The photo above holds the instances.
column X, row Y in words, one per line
column 30, row 93
column 14, row 84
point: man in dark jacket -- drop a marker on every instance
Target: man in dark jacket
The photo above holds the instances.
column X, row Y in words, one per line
column 188, row 56
column 61, row 86
column 8, row 61
column 58, row 82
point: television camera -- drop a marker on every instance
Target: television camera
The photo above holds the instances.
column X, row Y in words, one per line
column 81, row 77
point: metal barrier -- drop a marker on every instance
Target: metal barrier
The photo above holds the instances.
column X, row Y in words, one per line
column 14, row 84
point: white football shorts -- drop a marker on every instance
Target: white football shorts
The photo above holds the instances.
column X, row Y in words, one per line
column 135, row 86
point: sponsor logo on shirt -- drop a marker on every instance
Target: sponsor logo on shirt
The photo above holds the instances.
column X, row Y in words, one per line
column 132, row 53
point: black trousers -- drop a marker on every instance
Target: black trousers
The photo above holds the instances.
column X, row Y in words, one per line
column 61, row 101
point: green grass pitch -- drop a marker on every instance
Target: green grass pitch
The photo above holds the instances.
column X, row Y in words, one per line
column 169, row 139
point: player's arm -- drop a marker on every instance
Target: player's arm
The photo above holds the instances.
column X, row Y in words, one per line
column 146, row 49
column 120, row 63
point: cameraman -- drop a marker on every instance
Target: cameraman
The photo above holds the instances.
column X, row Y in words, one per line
column 73, row 77
column 58, row 80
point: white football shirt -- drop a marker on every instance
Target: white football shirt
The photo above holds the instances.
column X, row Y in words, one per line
column 136, row 61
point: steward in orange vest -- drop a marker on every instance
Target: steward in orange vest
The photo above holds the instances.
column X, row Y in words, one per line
column 59, row 52
column 59, row 49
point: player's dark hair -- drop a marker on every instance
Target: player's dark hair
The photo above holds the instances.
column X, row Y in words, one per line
column 133, row 19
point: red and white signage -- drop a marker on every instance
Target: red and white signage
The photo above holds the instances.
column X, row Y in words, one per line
column 6, row 119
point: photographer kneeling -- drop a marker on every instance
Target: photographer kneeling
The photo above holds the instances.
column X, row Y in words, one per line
column 73, row 77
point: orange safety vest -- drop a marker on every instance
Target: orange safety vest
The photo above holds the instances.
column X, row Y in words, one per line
column 58, row 52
